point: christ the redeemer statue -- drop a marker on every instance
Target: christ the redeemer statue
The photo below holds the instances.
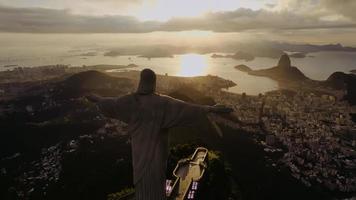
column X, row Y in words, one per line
column 150, row 116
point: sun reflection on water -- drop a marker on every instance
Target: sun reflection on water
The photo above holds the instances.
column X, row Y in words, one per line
column 192, row 65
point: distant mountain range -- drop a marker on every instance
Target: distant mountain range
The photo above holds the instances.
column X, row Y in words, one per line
column 312, row 48
column 235, row 50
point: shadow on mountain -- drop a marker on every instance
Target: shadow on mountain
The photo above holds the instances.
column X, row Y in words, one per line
column 342, row 81
column 93, row 81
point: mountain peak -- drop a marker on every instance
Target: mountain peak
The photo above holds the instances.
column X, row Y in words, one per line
column 284, row 61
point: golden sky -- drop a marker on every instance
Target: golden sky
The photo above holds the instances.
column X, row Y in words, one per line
column 309, row 21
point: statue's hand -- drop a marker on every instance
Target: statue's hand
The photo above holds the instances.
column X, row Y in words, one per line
column 221, row 109
column 93, row 98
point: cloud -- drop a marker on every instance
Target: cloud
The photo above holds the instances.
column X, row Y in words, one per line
column 319, row 8
column 343, row 7
column 117, row 1
column 112, row 7
column 41, row 20
column 44, row 20
column 80, row 6
column 247, row 19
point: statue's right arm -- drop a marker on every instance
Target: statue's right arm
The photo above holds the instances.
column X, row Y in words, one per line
column 113, row 107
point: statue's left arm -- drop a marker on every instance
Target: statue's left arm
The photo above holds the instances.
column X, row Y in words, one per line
column 180, row 113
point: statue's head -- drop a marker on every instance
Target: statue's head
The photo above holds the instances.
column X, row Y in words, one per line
column 147, row 83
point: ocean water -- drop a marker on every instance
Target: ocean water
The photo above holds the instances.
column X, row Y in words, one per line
column 181, row 65
column 318, row 66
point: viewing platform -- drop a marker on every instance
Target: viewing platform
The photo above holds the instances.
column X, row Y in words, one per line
column 188, row 173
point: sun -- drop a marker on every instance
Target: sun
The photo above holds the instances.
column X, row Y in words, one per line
column 192, row 65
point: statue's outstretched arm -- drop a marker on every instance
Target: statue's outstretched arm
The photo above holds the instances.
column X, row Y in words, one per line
column 180, row 113
column 113, row 107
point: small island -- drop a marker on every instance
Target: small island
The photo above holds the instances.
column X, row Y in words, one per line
column 298, row 55
column 158, row 53
column 240, row 55
column 243, row 68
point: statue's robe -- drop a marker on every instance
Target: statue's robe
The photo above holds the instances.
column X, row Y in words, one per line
column 149, row 117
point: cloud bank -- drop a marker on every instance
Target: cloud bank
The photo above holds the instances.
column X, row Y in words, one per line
column 287, row 14
column 42, row 20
